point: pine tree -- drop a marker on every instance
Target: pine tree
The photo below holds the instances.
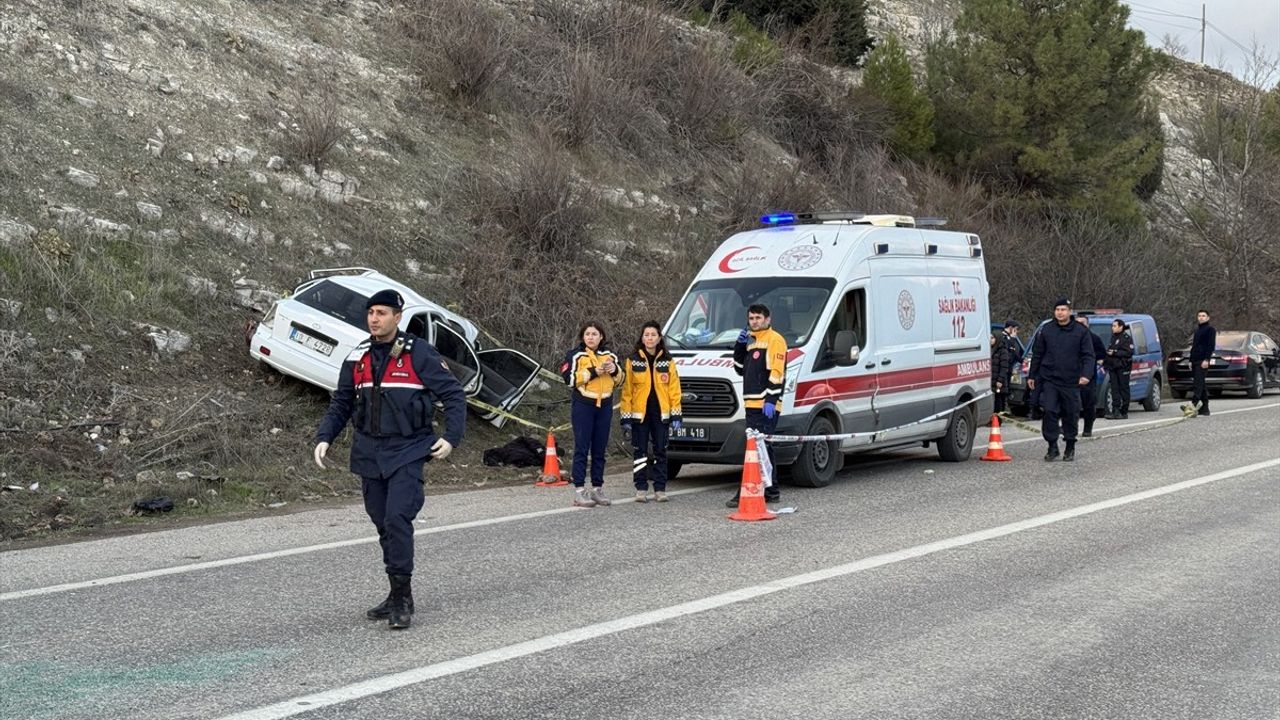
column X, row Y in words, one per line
column 888, row 76
column 1049, row 97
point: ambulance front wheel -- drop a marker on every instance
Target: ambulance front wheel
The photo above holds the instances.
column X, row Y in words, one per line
column 956, row 445
column 818, row 461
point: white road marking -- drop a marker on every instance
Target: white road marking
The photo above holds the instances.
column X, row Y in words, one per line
column 1099, row 429
column 388, row 683
column 240, row 560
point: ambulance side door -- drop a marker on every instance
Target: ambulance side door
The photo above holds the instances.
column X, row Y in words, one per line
column 836, row 375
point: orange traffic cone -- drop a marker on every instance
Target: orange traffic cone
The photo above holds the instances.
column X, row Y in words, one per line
column 995, row 447
column 551, row 476
column 751, row 505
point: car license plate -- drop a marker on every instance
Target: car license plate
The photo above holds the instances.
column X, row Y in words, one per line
column 689, row 433
column 306, row 340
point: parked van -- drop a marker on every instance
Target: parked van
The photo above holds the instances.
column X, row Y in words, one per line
column 1146, row 379
column 886, row 323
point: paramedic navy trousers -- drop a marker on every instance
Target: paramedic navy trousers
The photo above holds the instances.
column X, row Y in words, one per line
column 392, row 502
column 654, row 431
column 590, row 435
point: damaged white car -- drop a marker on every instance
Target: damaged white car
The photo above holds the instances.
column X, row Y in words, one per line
column 310, row 332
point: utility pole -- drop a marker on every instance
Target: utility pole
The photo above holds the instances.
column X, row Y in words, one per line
column 1202, row 24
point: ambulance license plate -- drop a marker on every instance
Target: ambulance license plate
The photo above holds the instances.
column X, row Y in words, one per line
column 689, row 433
column 306, row 340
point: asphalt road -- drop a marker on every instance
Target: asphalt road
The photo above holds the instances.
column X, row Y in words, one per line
column 1139, row 582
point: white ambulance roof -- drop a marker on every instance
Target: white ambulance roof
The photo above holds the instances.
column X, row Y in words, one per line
column 831, row 249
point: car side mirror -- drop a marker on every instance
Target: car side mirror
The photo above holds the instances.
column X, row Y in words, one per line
column 846, row 352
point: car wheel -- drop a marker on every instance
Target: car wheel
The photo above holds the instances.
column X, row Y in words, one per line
column 1151, row 403
column 1256, row 385
column 673, row 469
column 1104, row 402
column 1178, row 393
column 818, row 461
column 956, row 445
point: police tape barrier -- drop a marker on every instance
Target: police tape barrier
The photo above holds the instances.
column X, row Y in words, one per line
column 481, row 405
column 874, row 435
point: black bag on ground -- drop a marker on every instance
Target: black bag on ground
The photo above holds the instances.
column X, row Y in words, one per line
column 520, row 452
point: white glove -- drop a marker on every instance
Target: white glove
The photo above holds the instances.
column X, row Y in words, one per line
column 321, row 450
column 441, row 449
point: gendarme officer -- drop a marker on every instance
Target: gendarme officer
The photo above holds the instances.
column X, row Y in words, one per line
column 386, row 388
column 1061, row 362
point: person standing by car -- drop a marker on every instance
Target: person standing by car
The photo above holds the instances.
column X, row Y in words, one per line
column 1119, row 363
column 1061, row 363
column 1001, row 371
column 1010, row 338
column 590, row 370
column 387, row 387
column 650, row 406
column 1089, row 393
column 760, row 357
column 1203, row 344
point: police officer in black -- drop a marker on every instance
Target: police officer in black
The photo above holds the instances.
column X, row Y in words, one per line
column 1089, row 393
column 1119, row 362
column 1061, row 362
column 387, row 387
column 1203, row 343
column 1001, row 370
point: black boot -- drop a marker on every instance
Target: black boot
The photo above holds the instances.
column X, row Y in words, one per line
column 401, row 600
column 382, row 610
column 1052, row 454
column 1088, row 430
column 1070, row 453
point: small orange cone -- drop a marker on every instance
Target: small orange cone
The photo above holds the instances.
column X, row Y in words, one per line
column 751, row 505
column 551, row 476
column 995, row 446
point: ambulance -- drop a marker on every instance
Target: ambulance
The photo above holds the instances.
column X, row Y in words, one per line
column 886, row 322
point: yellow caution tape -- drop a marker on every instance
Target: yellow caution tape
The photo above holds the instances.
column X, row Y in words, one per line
column 499, row 411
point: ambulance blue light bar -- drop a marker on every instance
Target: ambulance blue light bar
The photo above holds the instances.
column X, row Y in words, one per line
column 778, row 219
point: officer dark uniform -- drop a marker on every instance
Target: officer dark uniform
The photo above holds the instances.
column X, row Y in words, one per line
column 760, row 357
column 1089, row 392
column 1061, row 358
column 1203, row 343
column 1119, row 363
column 387, row 389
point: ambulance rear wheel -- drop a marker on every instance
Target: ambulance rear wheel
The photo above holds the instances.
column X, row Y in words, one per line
column 956, row 445
column 818, row 461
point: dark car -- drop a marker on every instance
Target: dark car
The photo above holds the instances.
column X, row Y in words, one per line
column 1243, row 360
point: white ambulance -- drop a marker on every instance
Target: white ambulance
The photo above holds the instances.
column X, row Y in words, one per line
column 886, row 322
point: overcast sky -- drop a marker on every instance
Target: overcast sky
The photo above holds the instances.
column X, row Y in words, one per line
column 1234, row 26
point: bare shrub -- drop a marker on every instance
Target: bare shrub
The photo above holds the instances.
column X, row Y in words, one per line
column 318, row 122
column 759, row 185
column 460, row 47
column 537, row 202
column 864, row 177
column 707, row 99
column 812, row 114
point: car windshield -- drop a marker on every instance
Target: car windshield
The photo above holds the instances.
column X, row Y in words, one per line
column 715, row 311
column 336, row 301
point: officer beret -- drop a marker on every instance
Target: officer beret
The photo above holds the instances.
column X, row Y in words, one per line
column 390, row 298
column 1062, row 301
column 1011, row 324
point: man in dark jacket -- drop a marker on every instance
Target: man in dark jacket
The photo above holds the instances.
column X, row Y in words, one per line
column 1001, row 370
column 1010, row 338
column 1061, row 362
column 1203, row 343
column 389, row 384
column 1119, row 362
column 1089, row 393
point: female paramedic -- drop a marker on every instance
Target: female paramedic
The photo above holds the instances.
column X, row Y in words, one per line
column 591, row 371
column 650, row 406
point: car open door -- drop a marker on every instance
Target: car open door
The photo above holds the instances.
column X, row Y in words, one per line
column 506, row 375
column 458, row 355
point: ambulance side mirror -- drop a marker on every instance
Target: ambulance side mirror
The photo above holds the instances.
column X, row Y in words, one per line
column 845, row 351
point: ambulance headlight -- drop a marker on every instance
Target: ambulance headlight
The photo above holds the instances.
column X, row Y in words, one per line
column 793, row 376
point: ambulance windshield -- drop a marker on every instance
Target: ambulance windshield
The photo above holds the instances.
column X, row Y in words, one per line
column 715, row 311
